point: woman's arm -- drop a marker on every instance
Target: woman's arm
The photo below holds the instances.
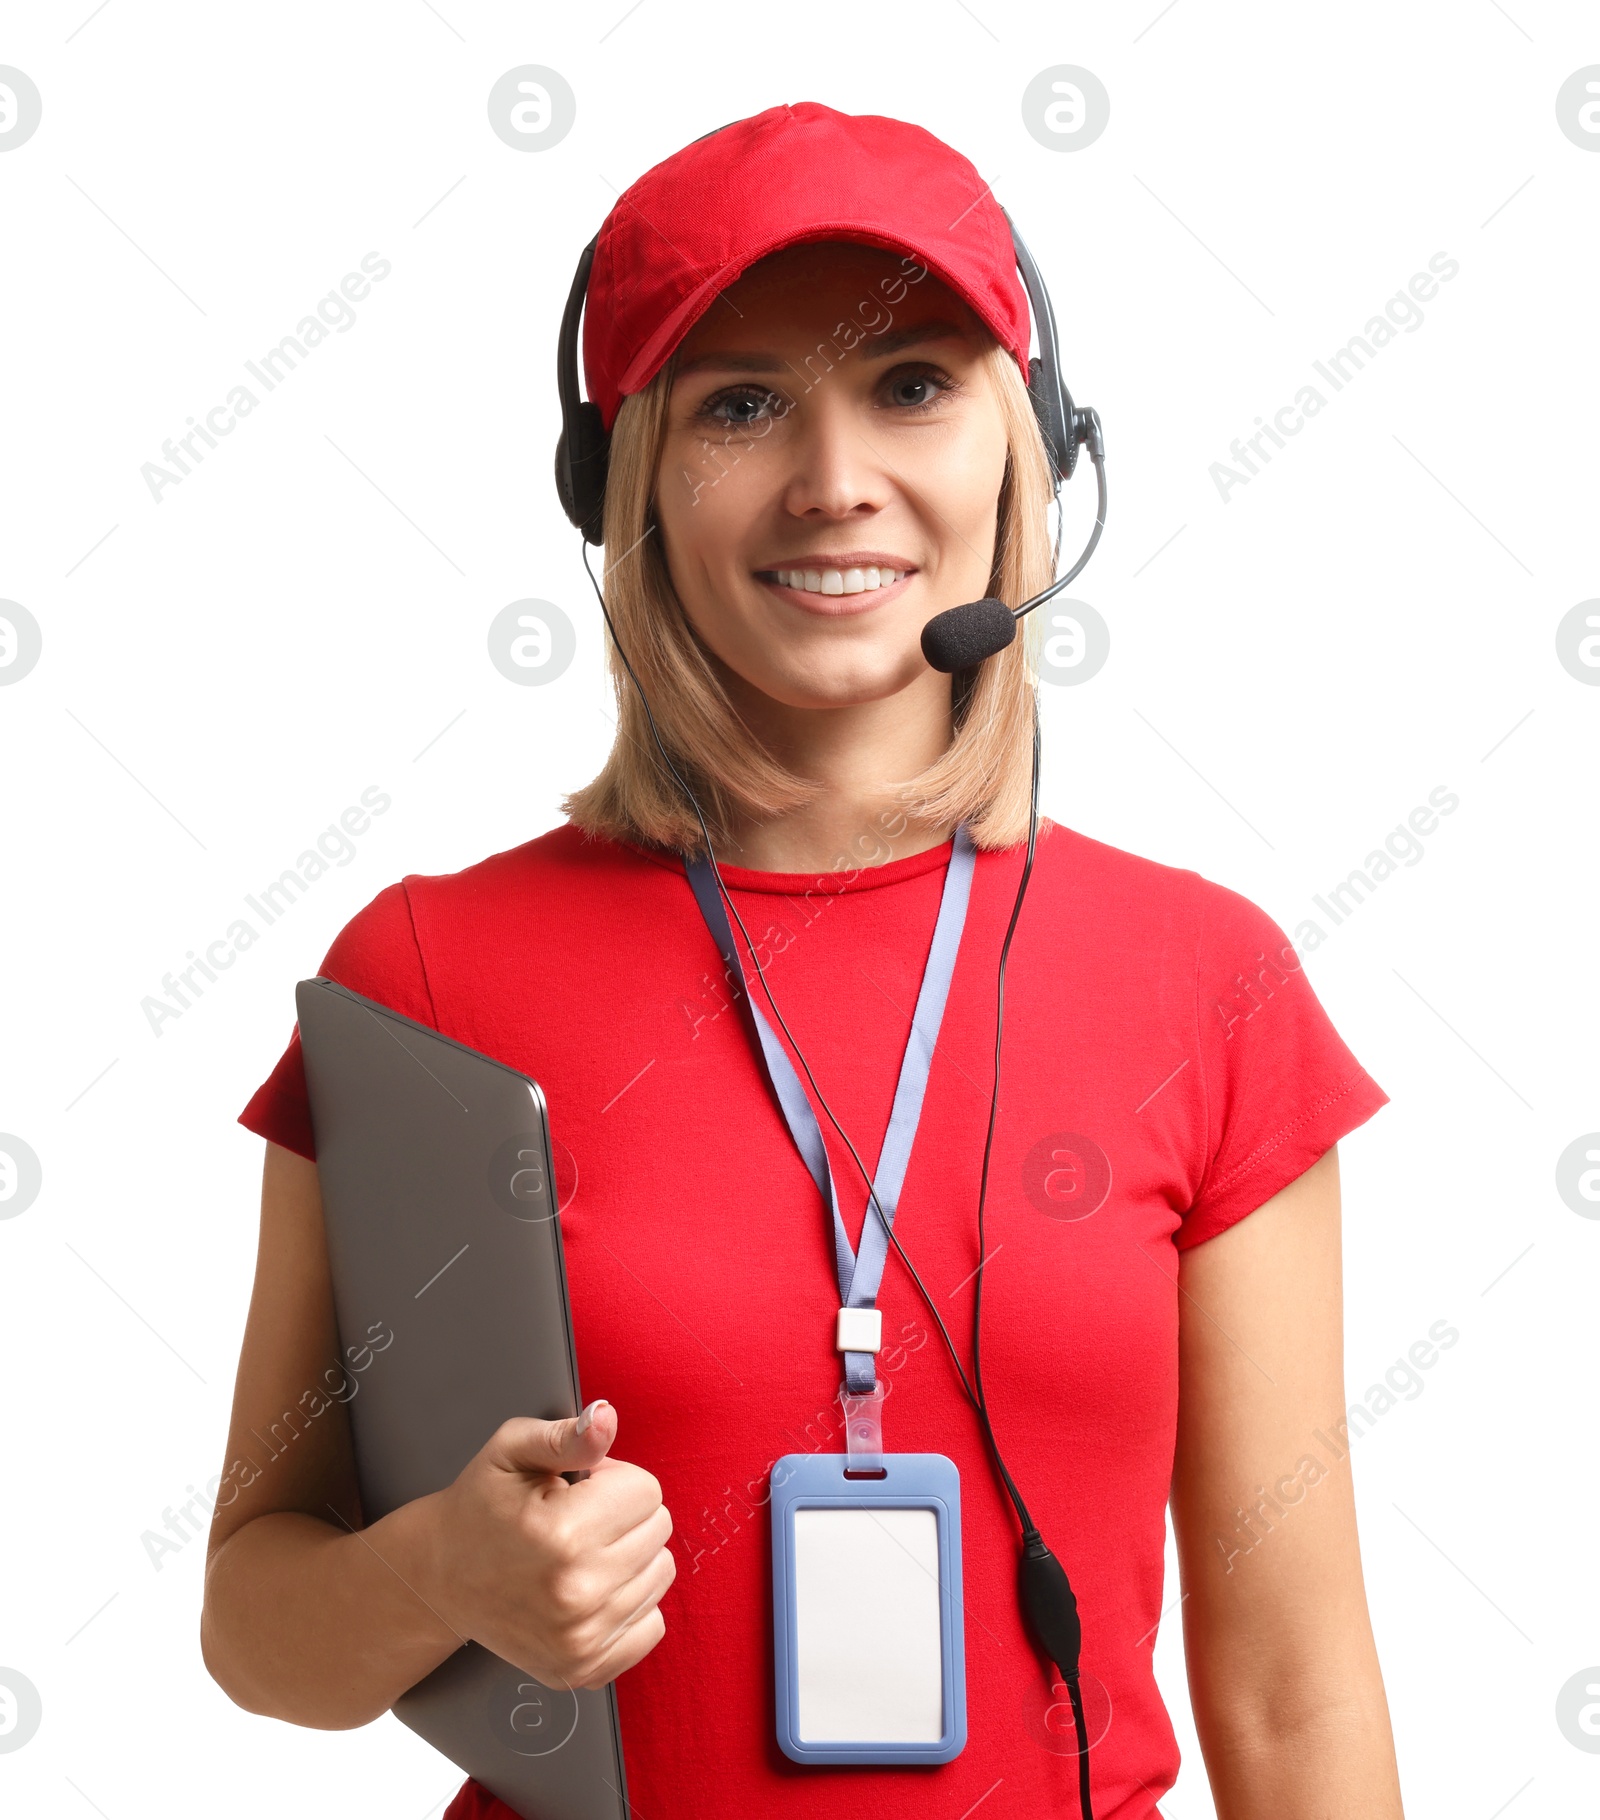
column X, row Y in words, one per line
column 1283, row 1672
column 312, row 1618
column 304, row 1619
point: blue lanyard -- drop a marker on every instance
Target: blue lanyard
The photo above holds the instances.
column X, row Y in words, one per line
column 859, row 1274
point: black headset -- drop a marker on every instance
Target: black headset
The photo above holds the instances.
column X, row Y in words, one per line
column 957, row 639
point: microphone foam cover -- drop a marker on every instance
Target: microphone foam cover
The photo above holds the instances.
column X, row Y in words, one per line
column 960, row 637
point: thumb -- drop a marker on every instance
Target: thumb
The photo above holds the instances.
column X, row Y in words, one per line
column 574, row 1444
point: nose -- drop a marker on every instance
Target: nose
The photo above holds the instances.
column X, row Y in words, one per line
column 835, row 473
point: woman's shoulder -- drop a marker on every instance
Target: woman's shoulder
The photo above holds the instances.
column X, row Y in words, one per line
column 1133, row 890
column 551, row 873
column 411, row 946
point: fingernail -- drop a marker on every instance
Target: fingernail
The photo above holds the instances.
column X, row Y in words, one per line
column 586, row 1415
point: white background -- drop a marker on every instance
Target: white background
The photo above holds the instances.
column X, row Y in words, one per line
column 1372, row 616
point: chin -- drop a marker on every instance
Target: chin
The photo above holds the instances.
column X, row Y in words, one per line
column 840, row 684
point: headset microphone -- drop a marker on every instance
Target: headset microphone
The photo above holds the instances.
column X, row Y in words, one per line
column 961, row 637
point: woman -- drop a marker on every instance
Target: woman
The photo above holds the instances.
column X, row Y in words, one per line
column 815, row 449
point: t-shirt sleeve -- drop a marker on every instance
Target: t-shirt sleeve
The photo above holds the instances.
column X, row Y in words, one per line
column 1280, row 1086
column 376, row 954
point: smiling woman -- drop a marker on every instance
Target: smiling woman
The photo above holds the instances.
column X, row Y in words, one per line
column 809, row 432
column 756, row 453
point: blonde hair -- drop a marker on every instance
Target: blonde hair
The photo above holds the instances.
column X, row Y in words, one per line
column 982, row 776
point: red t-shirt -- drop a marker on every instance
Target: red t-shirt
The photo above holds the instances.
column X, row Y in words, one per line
column 1167, row 1069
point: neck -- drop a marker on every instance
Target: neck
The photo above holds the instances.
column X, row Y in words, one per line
column 859, row 755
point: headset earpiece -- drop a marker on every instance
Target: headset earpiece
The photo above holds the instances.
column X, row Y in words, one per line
column 1052, row 402
column 583, row 449
column 583, row 456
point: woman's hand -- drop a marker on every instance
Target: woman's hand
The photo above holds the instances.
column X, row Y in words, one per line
column 563, row 1580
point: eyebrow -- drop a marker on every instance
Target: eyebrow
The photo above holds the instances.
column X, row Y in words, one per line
column 893, row 341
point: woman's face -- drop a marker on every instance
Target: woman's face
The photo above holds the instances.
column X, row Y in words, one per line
column 831, row 472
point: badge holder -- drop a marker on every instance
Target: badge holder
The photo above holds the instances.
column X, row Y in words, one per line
column 866, row 1601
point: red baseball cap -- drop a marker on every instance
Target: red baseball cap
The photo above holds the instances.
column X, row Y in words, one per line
column 688, row 227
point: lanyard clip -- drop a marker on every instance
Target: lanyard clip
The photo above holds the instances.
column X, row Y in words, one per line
column 859, row 1330
column 863, row 1428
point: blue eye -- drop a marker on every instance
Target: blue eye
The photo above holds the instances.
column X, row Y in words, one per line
column 914, row 391
column 920, row 390
column 737, row 407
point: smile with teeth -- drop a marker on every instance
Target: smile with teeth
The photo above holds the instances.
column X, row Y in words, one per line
column 835, row 581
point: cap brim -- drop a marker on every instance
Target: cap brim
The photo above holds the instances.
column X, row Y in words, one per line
column 654, row 354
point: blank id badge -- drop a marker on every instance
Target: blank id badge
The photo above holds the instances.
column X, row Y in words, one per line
column 867, row 1609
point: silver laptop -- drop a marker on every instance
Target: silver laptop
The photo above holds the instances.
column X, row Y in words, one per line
column 439, row 1195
